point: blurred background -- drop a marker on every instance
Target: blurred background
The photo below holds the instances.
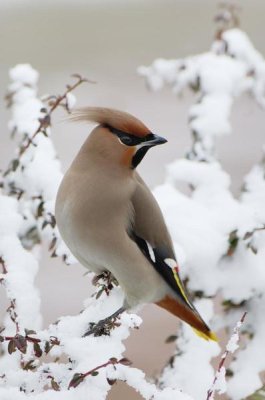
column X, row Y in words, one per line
column 106, row 40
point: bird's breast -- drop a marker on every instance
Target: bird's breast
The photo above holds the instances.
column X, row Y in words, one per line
column 90, row 210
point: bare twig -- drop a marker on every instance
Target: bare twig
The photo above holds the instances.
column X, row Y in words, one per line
column 2, row 263
column 227, row 17
column 20, row 342
column 46, row 120
column 12, row 307
column 211, row 391
column 79, row 377
column 251, row 233
column 13, row 314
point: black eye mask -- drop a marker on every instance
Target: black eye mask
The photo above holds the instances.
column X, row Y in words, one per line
column 145, row 142
column 130, row 139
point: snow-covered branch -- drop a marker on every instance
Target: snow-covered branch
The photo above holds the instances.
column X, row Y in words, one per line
column 232, row 67
column 219, row 382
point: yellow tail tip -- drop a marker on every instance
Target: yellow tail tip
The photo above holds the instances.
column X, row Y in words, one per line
column 207, row 336
column 213, row 336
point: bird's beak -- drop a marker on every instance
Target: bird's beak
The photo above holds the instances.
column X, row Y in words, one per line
column 154, row 140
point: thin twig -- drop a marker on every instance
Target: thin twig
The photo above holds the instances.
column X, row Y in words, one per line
column 44, row 122
column 211, row 391
column 3, row 265
column 53, row 340
column 12, row 313
column 79, row 377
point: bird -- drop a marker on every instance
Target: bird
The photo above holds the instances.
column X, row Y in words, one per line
column 111, row 222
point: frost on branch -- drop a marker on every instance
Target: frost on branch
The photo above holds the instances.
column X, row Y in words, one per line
column 219, row 382
column 219, row 239
column 58, row 361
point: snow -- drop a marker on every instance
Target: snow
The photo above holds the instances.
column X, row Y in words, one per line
column 221, row 385
column 239, row 46
column 71, row 100
column 136, row 379
column 21, row 268
column 220, row 80
column 232, row 344
column 24, row 74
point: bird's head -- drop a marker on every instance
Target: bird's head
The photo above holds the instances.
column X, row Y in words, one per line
column 119, row 135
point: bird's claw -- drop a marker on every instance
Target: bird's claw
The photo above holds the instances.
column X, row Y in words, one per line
column 106, row 277
column 102, row 328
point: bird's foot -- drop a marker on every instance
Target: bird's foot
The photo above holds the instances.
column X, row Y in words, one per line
column 104, row 326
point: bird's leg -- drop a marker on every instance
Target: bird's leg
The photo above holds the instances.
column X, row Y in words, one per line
column 104, row 326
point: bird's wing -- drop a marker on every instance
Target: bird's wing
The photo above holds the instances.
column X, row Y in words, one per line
column 151, row 235
column 148, row 221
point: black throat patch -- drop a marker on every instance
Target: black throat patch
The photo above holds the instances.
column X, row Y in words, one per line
column 139, row 155
column 129, row 139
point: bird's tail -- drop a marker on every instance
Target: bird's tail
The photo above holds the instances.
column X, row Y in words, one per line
column 189, row 315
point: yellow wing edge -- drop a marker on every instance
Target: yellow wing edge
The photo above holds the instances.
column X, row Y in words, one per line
column 206, row 336
column 180, row 286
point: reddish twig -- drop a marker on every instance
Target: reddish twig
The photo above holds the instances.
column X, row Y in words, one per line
column 79, row 377
column 28, row 338
column 223, row 359
column 3, row 265
column 12, row 313
column 45, row 121
column 12, row 307
column 20, row 342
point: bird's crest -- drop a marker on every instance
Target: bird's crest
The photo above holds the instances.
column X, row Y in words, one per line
column 120, row 120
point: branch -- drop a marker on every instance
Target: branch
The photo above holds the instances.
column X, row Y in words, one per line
column 20, row 342
column 45, row 121
column 2, row 263
column 227, row 17
column 12, row 307
column 79, row 377
column 230, row 348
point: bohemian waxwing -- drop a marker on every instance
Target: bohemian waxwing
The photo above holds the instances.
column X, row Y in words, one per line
column 111, row 222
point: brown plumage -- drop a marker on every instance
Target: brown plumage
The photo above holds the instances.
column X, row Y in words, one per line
column 111, row 221
column 107, row 116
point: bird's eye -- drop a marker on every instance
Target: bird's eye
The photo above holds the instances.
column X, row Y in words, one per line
column 127, row 140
